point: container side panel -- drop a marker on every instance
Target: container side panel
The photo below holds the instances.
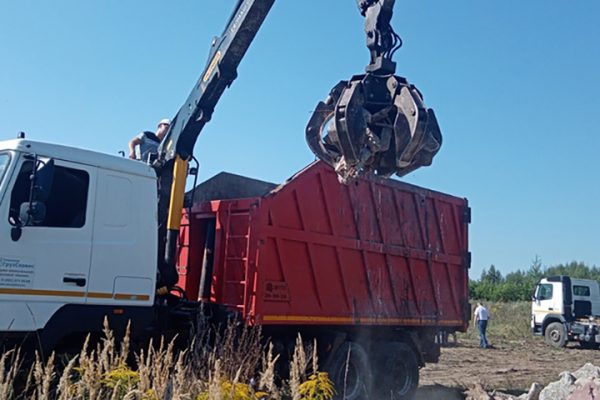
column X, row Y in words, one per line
column 362, row 201
column 314, row 214
column 271, row 257
column 191, row 253
column 432, row 226
column 338, row 203
column 333, row 294
column 378, row 279
column 296, row 262
column 404, row 286
column 271, row 282
column 408, row 224
column 452, row 277
column 387, row 210
column 356, row 281
column 375, row 252
column 424, row 287
column 451, row 230
column 288, row 214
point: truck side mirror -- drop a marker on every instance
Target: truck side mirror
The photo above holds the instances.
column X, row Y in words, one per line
column 15, row 233
column 32, row 213
column 42, row 179
column 533, row 294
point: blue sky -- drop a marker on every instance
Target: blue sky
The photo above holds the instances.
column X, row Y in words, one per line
column 514, row 84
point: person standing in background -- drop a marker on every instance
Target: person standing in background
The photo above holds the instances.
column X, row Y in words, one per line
column 481, row 318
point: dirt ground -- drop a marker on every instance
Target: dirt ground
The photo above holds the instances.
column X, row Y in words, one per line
column 510, row 367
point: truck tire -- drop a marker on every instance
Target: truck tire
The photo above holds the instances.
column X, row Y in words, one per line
column 350, row 373
column 556, row 334
column 397, row 372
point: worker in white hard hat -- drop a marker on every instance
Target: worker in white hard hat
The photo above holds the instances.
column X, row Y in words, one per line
column 148, row 141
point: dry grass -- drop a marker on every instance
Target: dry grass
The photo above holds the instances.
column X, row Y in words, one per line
column 229, row 364
column 9, row 368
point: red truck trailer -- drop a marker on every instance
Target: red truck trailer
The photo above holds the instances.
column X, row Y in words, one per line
column 374, row 269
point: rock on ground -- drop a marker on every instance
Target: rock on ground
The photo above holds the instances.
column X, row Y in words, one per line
column 583, row 384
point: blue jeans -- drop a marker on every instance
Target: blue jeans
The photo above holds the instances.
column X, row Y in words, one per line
column 482, row 325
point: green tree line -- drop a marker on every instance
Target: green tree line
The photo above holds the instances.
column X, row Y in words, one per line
column 519, row 285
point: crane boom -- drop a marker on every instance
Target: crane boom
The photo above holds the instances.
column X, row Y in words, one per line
column 226, row 53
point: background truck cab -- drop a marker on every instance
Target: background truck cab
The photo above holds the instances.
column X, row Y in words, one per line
column 565, row 309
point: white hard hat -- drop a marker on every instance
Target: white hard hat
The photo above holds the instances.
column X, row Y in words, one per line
column 165, row 121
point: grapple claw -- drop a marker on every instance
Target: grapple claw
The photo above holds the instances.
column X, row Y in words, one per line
column 374, row 124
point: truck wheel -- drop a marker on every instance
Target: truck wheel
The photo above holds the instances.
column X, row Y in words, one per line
column 351, row 373
column 397, row 372
column 556, row 335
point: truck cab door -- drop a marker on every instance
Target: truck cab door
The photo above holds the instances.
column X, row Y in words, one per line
column 124, row 254
column 46, row 265
column 547, row 300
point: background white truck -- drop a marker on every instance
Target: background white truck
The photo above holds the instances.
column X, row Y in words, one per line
column 566, row 309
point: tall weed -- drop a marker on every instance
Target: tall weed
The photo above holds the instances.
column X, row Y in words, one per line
column 223, row 364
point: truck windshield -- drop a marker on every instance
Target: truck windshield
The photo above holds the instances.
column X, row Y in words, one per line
column 4, row 159
column 544, row 291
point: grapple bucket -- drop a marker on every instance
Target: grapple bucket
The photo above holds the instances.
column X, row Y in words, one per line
column 374, row 124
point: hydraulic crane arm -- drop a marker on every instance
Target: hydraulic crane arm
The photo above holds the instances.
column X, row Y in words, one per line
column 378, row 121
column 177, row 147
column 226, row 53
column 382, row 41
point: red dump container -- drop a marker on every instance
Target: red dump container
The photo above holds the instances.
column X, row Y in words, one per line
column 313, row 251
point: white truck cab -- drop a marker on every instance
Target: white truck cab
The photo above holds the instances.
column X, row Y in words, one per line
column 567, row 309
column 78, row 239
